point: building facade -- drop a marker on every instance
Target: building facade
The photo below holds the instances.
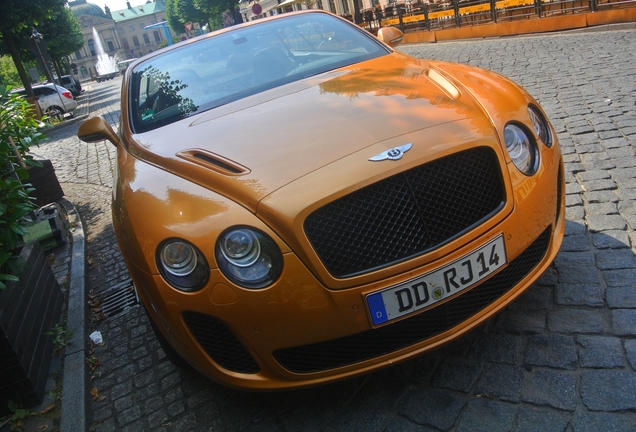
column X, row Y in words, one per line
column 122, row 34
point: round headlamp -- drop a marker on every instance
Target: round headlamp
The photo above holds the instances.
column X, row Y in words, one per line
column 248, row 257
column 182, row 265
column 540, row 125
column 521, row 148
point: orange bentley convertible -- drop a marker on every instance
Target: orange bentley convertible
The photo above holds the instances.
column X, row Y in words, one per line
column 298, row 203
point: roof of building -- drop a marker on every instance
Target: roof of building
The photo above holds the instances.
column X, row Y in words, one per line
column 82, row 7
column 150, row 7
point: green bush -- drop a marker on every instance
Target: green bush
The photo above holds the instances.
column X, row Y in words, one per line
column 19, row 130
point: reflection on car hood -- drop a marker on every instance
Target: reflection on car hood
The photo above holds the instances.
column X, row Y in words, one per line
column 283, row 134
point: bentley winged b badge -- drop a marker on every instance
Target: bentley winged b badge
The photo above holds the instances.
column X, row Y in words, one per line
column 392, row 154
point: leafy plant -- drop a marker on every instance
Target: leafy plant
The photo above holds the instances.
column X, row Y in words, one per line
column 19, row 416
column 60, row 336
column 19, row 130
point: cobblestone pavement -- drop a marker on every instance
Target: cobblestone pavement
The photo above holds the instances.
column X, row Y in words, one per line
column 562, row 358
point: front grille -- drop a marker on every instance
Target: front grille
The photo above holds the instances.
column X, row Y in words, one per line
column 384, row 340
column 407, row 214
column 220, row 343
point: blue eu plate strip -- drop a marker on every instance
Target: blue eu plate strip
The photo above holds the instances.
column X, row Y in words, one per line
column 376, row 307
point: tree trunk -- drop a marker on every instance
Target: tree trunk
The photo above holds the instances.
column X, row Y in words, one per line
column 26, row 81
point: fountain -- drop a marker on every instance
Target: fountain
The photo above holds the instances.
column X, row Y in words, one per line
column 106, row 65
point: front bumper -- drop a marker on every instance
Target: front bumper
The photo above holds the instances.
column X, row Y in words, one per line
column 297, row 333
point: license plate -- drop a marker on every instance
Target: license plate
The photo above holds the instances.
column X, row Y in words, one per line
column 423, row 291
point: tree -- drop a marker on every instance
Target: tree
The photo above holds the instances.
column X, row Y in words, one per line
column 63, row 35
column 217, row 7
column 8, row 72
column 18, row 18
column 180, row 12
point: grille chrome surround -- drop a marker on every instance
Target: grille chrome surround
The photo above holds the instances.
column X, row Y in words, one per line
column 407, row 214
column 373, row 343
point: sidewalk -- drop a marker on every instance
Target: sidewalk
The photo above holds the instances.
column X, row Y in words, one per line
column 67, row 371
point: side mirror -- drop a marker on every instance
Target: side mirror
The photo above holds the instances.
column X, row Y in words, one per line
column 390, row 36
column 97, row 129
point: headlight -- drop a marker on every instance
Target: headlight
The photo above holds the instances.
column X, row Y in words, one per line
column 182, row 265
column 540, row 125
column 521, row 148
column 248, row 257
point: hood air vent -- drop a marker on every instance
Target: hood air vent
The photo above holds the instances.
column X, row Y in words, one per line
column 213, row 161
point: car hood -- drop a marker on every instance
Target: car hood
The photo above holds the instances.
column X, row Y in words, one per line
column 248, row 149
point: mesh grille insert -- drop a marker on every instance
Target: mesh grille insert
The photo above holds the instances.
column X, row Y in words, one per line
column 220, row 343
column 376, row 342
column 408, row 214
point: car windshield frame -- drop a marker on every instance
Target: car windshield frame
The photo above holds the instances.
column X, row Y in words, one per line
column 231, row 65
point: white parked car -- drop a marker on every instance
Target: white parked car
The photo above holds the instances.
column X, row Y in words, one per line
column 53, row 99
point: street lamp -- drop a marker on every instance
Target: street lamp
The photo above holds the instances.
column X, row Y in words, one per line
column 40, row 46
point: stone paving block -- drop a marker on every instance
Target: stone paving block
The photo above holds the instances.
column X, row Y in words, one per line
column 521, row 323
column 576, row 321
column 456, row 375
column 615, row 259
column 602, row 196
column 597, row 223
column 576, row 213
column 579, row 295
column 624, row 322
column 626, row 194
column 536, row 298
column 612, row 239
column 552, row 388
column 600, row 352
column 501, row 382
column 499, row 348
column 573, row 227
column 606, row 422
column 621, row 297
column 551, row 350
column 576, row 243
column 169, row 381
column 573, row 200
column 593, row 174
column 574, row 259
column 608, row 390
column 630, row 350
column 605, row 208
column 599, row 185
column 401, row 424
column 624, row 277
column 484, row 415
column 129, row 415
column 534, row 420
column 623, row 164
column 431, row 407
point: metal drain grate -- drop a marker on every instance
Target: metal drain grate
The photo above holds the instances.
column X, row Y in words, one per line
column 117, row 300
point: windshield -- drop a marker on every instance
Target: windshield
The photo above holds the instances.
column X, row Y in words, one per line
column 224, row 68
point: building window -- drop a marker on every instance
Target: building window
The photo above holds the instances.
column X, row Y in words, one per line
column 124, row 43
column 132, row 28
column 91, row 47
column 78, row 55
column 135, row 41
column 319, row 4
column 111, row 47
column 141, row 26
column 146, row 39
column 156, row 35
column 332, row 6
column 120, row 29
